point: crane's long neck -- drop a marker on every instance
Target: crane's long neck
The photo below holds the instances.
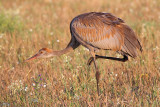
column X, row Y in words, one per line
column 61, row 52
column 73, row 44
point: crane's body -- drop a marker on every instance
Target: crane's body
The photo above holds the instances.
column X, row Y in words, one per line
column 96, row 30
column 105, row 31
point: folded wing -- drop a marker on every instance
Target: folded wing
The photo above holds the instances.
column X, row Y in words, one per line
column 105, row 31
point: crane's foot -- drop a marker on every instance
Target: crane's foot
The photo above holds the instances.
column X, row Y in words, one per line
column 97, row 79
column 90, row 61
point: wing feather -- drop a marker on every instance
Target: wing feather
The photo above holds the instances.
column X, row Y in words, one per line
column 130, row 41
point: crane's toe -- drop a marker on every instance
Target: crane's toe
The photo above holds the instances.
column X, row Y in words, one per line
column 90, row 61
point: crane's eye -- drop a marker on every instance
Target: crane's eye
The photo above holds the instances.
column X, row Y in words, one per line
column 41, row 52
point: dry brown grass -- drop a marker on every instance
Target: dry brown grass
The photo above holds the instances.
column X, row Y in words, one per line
column 67, row 80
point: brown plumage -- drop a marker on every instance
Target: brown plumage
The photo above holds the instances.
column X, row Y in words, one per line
column 105, row 31
column 96, row 30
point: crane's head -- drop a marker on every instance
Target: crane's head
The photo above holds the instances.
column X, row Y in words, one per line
column 43, row 53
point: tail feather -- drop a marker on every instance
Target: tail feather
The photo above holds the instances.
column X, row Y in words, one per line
column 131, row 43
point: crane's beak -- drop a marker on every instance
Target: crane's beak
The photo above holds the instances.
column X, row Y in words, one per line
column 33, row 57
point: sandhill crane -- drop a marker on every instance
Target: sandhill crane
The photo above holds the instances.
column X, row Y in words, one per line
column 95, row 31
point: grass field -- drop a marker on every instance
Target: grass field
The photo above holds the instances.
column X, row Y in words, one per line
column 29, row 25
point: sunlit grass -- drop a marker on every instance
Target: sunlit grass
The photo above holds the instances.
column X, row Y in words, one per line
column 9, row 23
column 26, row 27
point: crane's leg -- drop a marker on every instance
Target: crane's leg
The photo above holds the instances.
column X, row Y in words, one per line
column 125, row 58
column 97, row 71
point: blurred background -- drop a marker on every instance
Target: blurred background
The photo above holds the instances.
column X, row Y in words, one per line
column 29, row 25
